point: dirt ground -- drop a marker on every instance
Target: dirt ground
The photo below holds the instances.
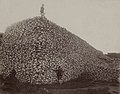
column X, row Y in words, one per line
column 71, row 87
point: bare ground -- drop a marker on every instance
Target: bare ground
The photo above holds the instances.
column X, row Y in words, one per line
column 71, row 87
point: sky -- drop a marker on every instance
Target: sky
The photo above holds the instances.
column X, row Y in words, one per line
column 95, row 21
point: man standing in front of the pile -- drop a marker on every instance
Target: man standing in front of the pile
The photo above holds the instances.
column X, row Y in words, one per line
column 59, row 72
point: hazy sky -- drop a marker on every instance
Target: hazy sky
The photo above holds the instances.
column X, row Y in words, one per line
column 96, row 21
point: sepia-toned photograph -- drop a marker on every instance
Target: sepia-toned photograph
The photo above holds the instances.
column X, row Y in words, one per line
column 59, row 46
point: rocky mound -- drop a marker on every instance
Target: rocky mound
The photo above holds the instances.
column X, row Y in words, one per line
column 36, row 46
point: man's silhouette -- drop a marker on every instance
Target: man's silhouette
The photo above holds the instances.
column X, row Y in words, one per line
column 11, row 83
column 59, row 72
column 42, row 11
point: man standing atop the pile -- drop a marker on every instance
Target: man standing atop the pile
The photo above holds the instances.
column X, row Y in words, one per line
column 42, row 11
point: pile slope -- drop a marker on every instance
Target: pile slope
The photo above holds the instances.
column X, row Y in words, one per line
column 35, row 47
